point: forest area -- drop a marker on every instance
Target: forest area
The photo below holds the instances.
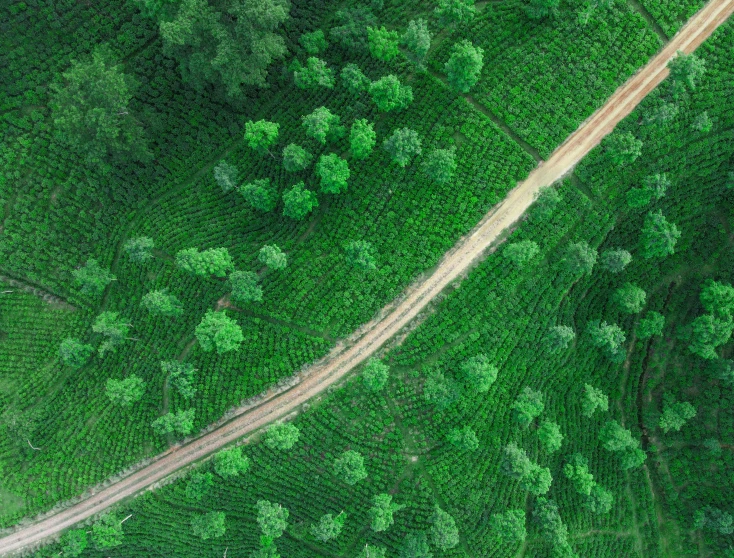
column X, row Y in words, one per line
column 203, row 198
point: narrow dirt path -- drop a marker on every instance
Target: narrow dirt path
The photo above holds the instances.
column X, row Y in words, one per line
column 346, row 356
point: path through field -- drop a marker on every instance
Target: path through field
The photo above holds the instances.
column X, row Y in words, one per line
column 372, row 336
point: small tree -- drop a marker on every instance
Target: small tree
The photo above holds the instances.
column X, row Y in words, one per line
column 314, row 74
column 214, row 261
column 272, row 518
column 415, row 545
column 375, row 374
column 479, row 373
column 361, row 254
column 353, row 79
column 580, row 258
column 630, row 298
column 638, row 197
column 383, row 43
column 685, row 71
column 464, row 66
column 218, row 331
column 260, row 194
column 389, row 94
column 269, row 551
column 528, row 406
column 333, row 172
column 314, row 42
column 92, row 278
column 703, row 123
column 659, row 237
column 125, row 392
column 718, row 298
column 328, row 527
column 607, row 337
column 362, row 138
column 546, row 201
column 181, row 376
column 559, row 337
column 550, row 437
column 231, row 463
column 615, row 260
column 198, row 485
column 577, row 472
column 440, row 165
column 282, row 436
column 440, row 390
column 209, row 525
column 509, row 526
column 623, row 148
column 651, row 324
column 74, row 542
column 107, row 532
column 273, row 257
column 350, row 467
column 139, row 249
column 244, row 287
column 538, row 9
column 403, row 145
column 160, row 303
column 260, row 136
column 675, row 414
column 296, row 158
column 74, row 353
column 464, row 439
column 455, row 11
column 323, row 125
column 382, row 511
column 180, row 422
column 444, row 533
column 417, row 41
column 226, row 176
column 113, row 327
column 657, row 183
column 600, row 500
column 520, row 253
column 592, row 400
column 299, row 202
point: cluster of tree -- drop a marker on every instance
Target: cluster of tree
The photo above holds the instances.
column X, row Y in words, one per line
column 598, row 499
column 475, row 374
column 617, row 439
column 517, row 465
column 711, row 330
column 106, row 533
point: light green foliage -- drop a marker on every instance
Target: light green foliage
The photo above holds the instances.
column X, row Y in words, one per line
column 350, row 468
column 107, row 532
column 685, row 71
column 323, row 125
column 273, row 257
column 515, row 462
column 230, row 462
column 74, row 542
column 464, row 66
column 630, row 298
column 658, row 237
column 328, row 527
column 509, row 526
column 559, row 338
column 550, row 437
column 74, row 353
column 260, row 194
column 577, row 472
column 592, row 400
column 381, row 512
column 580, row 258
column 615, row 260
column 139, row 249
column 181, row 376
column 703, row 123
column 354, row 79
column 209, row 525
column 527, row 407
column 718, row 298
column 675, row 414
column 161, row 303
column 375, row 374
column 661, row 115
column 417, row 41
column 362, row 138
column 623, row 148
column 657, row 183
column 455, row 11
column 296, row 158
column 225, row 175
column 478, row 373
column 707, row 333
column 260, row 136
column 607, row 337
column 272, row 518
column 92, row 278
column 600, row 500
column 440, row 165
column 652, row 324
column 180, row 422
column 415, row 545
column 314, row 74
column 314, row 42
column 113, row 327
column 361, row 254
column 440, row 390
column 464, row 438
column 282, row 436
column 333, row 172
column 370, row 551
column 383, row 43
column 214, row 261
column 713, row 519
column 538, row 9
column 389, row 94
column 403, row 145
column 444, row 532
column 537, row 481
column 198, row 485
column 520, row 253
column 244, row 286
column 618, row 439
column 269, row 551
column 545, row 204
column 218, row 331
column 125, row 392
column 299, row 202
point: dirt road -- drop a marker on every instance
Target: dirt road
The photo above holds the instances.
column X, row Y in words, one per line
column 379, row 331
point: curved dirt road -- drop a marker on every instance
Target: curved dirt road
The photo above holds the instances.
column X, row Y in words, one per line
column 379, row 331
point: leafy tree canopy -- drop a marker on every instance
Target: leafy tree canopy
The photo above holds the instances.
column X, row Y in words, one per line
column 214, row 261
column 375, row 374
column 260, row 136
column 181, row 376
column 592, row 400
column 444, row 532
column 296, row 158
column 361, row 254
column 455, row 11
column 333, row 172
column 125, row 392
column 528, row 406
column 675, row 414
column 323, row 125
column 623, row 148
column 577, row 471
column 362, row 138
column 180, row 422
column 198, row 485
column 607, row 337
column 314, row 42
column 260, row 194
column 314, row 74
column 630, row 298
column 440, row 165
column 74, row 542
column 225, row 175
column 479, row 373
column 615, row 260
column 580, row 258
column 350, row 468
column 354, row 79
column 92, row 278
column 659, row 237
column 218, row 331
column 652, row 324
column 382, row 511
column 272, row 518
column 415, row 545
column 230, row 462
column 162, row 303
column 685, row 71
column 403, row 145
column 74, row 353
column 273, row 257
column 520, row 253
column 509, row 526
column 389, row 94
column 550, row 437
column 559, row 337
column 282, row 436
column 383, row 43
column 328, row 527
column 140, row 248
column 464, row 66
column 299, row 202
column 718, row 298
column 464, row 438
column 107, row 532
column 417, row 41
column 209, row 525
column 245, row 288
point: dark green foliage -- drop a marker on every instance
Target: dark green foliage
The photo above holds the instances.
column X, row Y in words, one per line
column 658, row 236
column 230, row 462
column 389, row 94
column 74, row 353
column 464, row 439
column 362, row 138
column 528, row 406
column 350, row 468
column 652, row 324
column 296, row 158
column 298, row 202
column 538, row 9
column 381, row 512
column 181, row 376
column 214, row 261
column 607, row 337
column 361, row 254
column 403, row 145
column 282, row 436
column 577, row 472
column 520, row 253
column 638, row 197
column 333, row 172
column 600, row 500
column 464, row 66
column 180, row 422
column 440, row 165
column 107, row 532
column 375, row 374
column 417, row 41
column 718, row 298
column 478, row 373
column 226, row 176
column 125, row 392
column 245, row 288
column 260, row 136
column 323, row 125
column 74, row 542
column 444, row 532
column 383, row 43
column 509, row 526
column 272, row 518
column 545, row 204
column 209, row 525
column 260, row 194
column 455, row 11
column 580, row 258
column 714, row 519
column 559, row 338
column 685, row 71
column 707, row 333
column 615, row 260
column 328, row 527
column 675, row 414
column 592, row 400
column 162, row 303
column 113, row 327
column 314, row 42
column 440, row 390
column 550, row 437
column 617, row 439
column 218, row 331
column 415, row 545
column 353, row 79
column 623, row 148
column 92, row 278
column 314, row 74
column 552, row 528
column 515, row 462
column 198, row 485
column 273, row 257
column 630, row 298
column 139, row 249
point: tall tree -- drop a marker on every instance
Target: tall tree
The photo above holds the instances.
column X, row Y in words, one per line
column 464, row 438
column 323, row 125
column 314, row 42
column 382, row 511
column 209, row 525
column 592, row 400
column 389, row 94
column 296, row 158
column 623, row 148
column 107, row 532
column 298, row 202
column 272, row 518
column 615, row 260
column 375, row 374
column 538, row 9
column 180, row 422
column 328, row 527
column 478, row 372
column 417, row 41
column 415, row 545
column 273, row 257
column 350, row 468
column 198, row 485
column 140, row 248
column 576, row 470
column 162, row 303
column 354, row 79
column 225, row 175
column 214, row 261
column 608, row 337
column 559, row 338
column 74, row 353
column 651, row 324
column 282, row 436
column 260, row 136
column 464, row 66
column 528, row 406
column 444, row 532
column 333, row 172
column 520, row 253
column 92, row 278
column 630, row 298
column 260, row 194
column 181, row 375
column 659, row 237
column 455, row 11
column 383, row 43
column 580, row 258
column 362, row 138
column 361, row 254
column 314, row 74
column 718, row 298
column 550, row 437
column 114, row 328
column 74, row 542
column 440, row 165
column 675, row 414
column 245, row 288
column 218, row 331
column 125, row 392
column 231, row 463
column 403, row 145
column 685, row 71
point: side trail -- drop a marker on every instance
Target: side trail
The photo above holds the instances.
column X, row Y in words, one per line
column 375, row 334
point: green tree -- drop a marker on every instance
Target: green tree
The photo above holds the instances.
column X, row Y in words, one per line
column 464, row 439
column 478, row 372
column 546, row 201
column 630, row 298
column 577, row 472
column 658, row 237
column 214, row 261
column 718, row 298
column 269, row 551
column 272, row 518
column 383, row 43
column 362, row 138
column 537, row 481
column 282, row 436
column 528, row 406
column 592, row 400
column 559, row 337
column 707, row 333
column 273, row 257
column 600, row 500
column 260, row 194
column 515, row 462
column 74, row 542
column 552, row 528
column 440, row 390
column 328, row 527
column 580, row 258
column 90, row 112
column 314, row 74
column 417, row 41
column 244, row 287
column 354, row 79
column 107, row 532
column 218, row 331
column 703, row 123
column 623, row 148
column 520, row 253
column 180, row 422
column 440, row 165
column 538, row 9
column 139, row 249
column 299, row 202
column 209, row 525
column 615, row 260
column 370, row 551
column 381, row 512
column 314, row 42
column 509, row 526
column 296, row 158
column 260, row 136
column 675, row 414
column 114, row 328
column 230, row 463
column 651, row 324
column 323, row 125
column 550, row 437
column 225, row 175
column 444, row 532
column 198, row 485
column 375, row 374
column 92, row 278
column 713, row 519
column 361, row 254
column 350, row 468
column 160, row 303
column 638, row 197
column 657, row 183
column 685, row 71
column 403, row 145
column 74, row 353
column 455, row 11
column 181, row 376
column 389, row 94
column 464, row 66
column 415, row 545
column 333, row 172
column 618, row 439
column 607, row 337
column 125, row 392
